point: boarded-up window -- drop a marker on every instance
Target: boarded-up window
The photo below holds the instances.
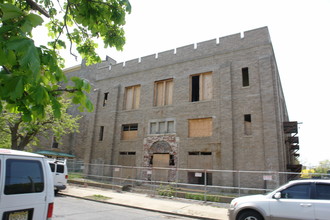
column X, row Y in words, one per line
column 127, row 159
column 201, row 87
column 201, row 127
column 132, row 97
column 200, row 160
column 129, row 131
column 247, row 124
column 163, row 92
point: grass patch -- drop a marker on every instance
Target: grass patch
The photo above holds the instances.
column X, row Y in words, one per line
column 98, row 197
column 211, row 198
column 73, row 176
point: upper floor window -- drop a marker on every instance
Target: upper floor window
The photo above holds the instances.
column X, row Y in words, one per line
column 247, row 124
column 201, row 127
column 162, row 127
column 129, row 131
column 201, row 87
column 132, row 97
column 163, row 92
column 245, row 77
column 101, row 133
column 105, row 98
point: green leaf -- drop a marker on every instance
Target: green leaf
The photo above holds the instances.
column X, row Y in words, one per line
column 56, row 107
column 89, row 105
column 29, row 57
column 14, row 87
column 41, row 95
column 10, row 11
column 34, row 19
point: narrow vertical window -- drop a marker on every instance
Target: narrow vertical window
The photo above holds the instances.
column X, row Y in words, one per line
column 105, row 99
column 195, row 88
column 101, row 133
column 163, row 92
column 245, row 76
column 201, row 87
column 132, row 97
column 247, row 124
column 55, row 143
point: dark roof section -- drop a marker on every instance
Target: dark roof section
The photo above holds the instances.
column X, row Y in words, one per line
column 55, row 153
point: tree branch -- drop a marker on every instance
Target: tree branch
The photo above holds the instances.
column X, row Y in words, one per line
column 37, row 7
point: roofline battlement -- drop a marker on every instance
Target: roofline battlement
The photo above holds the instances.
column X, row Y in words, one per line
column 222, row 45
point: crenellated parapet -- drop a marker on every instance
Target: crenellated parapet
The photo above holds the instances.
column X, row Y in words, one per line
column 222, row 45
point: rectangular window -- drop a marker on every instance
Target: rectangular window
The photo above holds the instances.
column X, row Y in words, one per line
column 23, row 176
column 201, row 87
column 247, row 124
column 201, row 127
column 322, row 191
column 127, row 159
column 163, row 92
column 162, row 127
column 127, row 153
column 200, row 160
column 129, row 131
column 199, row 178
column 55, row 143
column 153, row 128
column 105, row 99
column 101, row 133
column 132, row 97
column 245, row 77
column 170, row 127
column 199, row 153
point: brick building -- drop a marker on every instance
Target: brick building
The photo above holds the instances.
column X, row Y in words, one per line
column 218, row 104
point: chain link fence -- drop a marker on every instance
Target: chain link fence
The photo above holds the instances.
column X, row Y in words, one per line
column 200, row 184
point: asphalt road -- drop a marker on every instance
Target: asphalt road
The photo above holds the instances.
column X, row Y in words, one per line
column 68, row 208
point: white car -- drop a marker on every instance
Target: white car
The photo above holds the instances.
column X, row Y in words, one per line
column 26, row 186
column 60, row 174
column 299, row 199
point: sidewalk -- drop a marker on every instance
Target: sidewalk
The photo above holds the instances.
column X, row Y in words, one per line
column 176, row 206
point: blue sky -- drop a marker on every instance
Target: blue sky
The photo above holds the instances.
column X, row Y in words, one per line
column 299, row 32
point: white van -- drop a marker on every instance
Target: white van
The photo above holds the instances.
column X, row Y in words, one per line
column 26, row 186
column 60, row 173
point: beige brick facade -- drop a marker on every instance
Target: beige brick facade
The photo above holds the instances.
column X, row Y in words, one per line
column 237, row 98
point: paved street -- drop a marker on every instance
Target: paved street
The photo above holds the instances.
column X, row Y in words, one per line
column 68, row 208
column 170, row 206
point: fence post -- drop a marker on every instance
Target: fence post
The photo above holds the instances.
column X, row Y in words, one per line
column 239, row 182
column 205, row 183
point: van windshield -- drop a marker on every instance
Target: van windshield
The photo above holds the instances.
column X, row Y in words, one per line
column 23, row 176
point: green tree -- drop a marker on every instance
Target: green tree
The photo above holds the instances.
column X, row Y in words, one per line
column 323, row 167
column 19, row 134
column 31, row 77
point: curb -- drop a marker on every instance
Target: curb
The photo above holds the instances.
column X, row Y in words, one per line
column 136, row 207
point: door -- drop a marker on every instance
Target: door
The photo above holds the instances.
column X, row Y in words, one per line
column 161, row 161
column 24, row 190
column 322, row 201
column 295, row 203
